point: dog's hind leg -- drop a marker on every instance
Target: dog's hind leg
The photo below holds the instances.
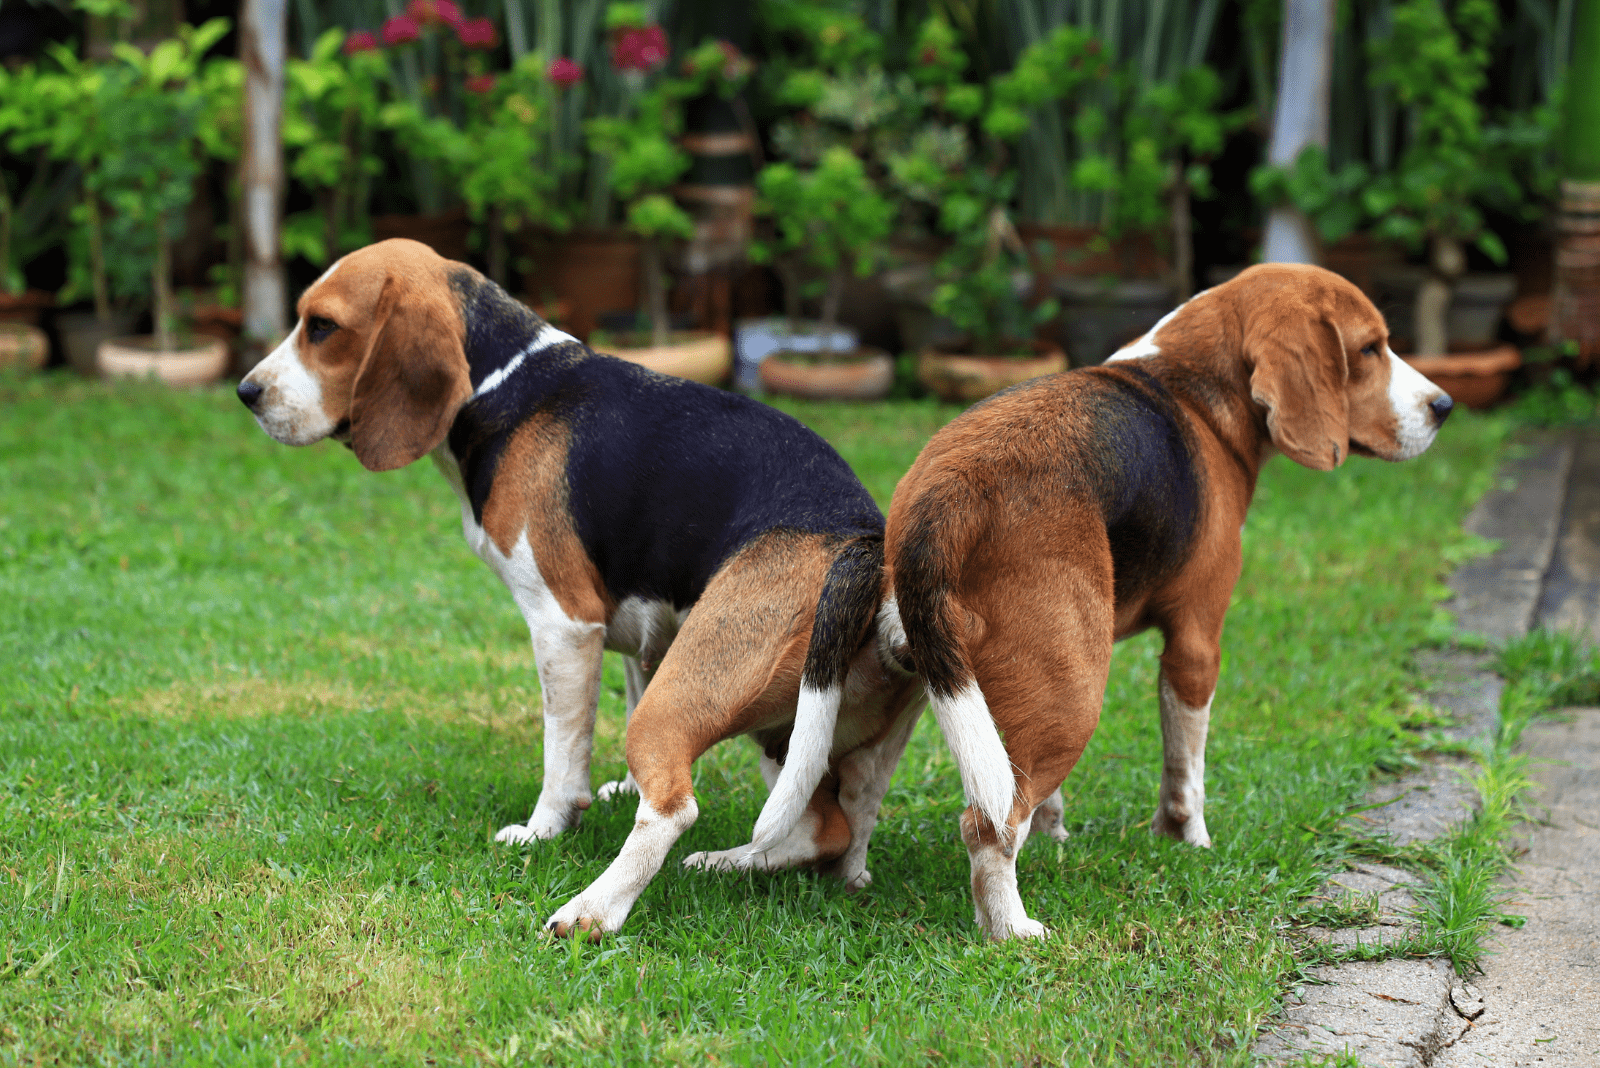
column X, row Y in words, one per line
column 637, row 679
column 1189, row 667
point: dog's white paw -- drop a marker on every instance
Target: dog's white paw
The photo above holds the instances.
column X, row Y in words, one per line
column 1023, row 928
column 858, row 881
column 543, row 824
column 583, row 918
column 1191, row 831
column 741, row 859
column 617, row 787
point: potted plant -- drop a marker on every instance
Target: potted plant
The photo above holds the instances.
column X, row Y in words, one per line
column 30, row 209
column 836, row 221
column 152, row 109
column 985, row 290
column 1111, row 148
column 646, row 161
column 1434, row 63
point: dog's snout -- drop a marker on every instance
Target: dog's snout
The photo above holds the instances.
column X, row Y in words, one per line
column 1441, row 407
column 250, row 392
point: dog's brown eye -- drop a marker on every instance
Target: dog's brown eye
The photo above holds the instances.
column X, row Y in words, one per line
column 318, row 329
column 1370, row 350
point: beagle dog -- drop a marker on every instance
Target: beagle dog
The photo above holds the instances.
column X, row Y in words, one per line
column 724, row 548
column 1072, row 511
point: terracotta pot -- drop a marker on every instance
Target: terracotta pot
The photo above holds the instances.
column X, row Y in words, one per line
column 1086, row 252
column 866, row 374
column 202, row 360
column 596, row 272
column 964, row 379
column 445, row 232
column 22, row 345
column 81, row 335
column 699, row 357
column 1476, row 379
column 26, row 307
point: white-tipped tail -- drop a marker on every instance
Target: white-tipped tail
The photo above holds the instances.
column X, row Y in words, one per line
column 980, row 755
column 810, row 743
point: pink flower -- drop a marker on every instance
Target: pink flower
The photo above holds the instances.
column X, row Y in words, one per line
column 400, row 29
column 476, row 33
column 564, row 72
column 360, row 41
column 640, row 48
column 480, row 83
column 434, row 12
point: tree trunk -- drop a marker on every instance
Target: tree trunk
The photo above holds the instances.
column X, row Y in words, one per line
column 1182, row 236
column 1575, row 315
column 655, row 283
column 1305, row 81
column 97, row 259
column 830, row 308
column 263, row 32
column 161, row 287
column 1431, row 315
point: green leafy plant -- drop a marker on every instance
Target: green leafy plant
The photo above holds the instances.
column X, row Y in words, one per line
column 31, row 210
column 641, row 142
column 833, row 216
column 152, row 110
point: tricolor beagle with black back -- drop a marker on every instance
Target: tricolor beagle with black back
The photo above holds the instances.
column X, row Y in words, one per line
column 723, row 547
column 1060, row 516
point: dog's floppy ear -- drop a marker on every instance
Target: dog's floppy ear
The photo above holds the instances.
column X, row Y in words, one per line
column 1299, row 373
column 412, row 380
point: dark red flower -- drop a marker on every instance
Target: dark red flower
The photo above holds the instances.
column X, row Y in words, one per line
column 434, row 12
column 640, row 48
column 360, row 41
column 564, row 72
column 480, row 83
column 400, row 29
column 477, row 33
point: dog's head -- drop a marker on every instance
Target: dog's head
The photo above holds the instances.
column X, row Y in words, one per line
column 376, row 360
column 1320, row 365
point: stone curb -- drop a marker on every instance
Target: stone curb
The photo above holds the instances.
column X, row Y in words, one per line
column 1404, row 1012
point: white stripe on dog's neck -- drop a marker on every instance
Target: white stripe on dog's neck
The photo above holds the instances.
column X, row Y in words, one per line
column 545, row 338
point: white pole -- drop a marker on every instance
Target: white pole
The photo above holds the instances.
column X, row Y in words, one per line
column 1305, row 81
column 263, row 36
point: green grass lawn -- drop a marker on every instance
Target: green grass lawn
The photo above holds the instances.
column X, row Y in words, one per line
column 261, row 712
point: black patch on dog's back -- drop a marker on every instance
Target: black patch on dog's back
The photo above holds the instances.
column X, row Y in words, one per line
column 1142, row 470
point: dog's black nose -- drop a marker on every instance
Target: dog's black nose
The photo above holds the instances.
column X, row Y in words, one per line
column 1441, row 407
column 250, row 392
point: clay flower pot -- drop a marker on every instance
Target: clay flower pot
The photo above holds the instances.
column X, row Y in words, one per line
column 22, row 345
column 1476, row 379
column 199, row 360
column 864, row 374
column 700, row 357
column 963, row 379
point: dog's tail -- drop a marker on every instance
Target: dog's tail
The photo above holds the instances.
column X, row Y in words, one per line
column 941, row 531
column 847, row 606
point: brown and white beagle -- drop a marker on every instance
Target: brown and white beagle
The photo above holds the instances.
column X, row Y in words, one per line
column 724, row 548
column 1063, row 515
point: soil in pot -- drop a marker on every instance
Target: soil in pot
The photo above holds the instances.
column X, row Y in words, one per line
column 197, row 361
column 701, row 357
column 1475, row 379
column 866, row 373
column 28, row 307
column 595, row 272
column 963, row 378
column 82, row 333
column 445, row 232
column 22, row 345
column 1099, row 317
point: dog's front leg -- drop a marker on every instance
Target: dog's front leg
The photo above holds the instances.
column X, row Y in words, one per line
column 1187, row 686
column 637, row 679
column 569, row 656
